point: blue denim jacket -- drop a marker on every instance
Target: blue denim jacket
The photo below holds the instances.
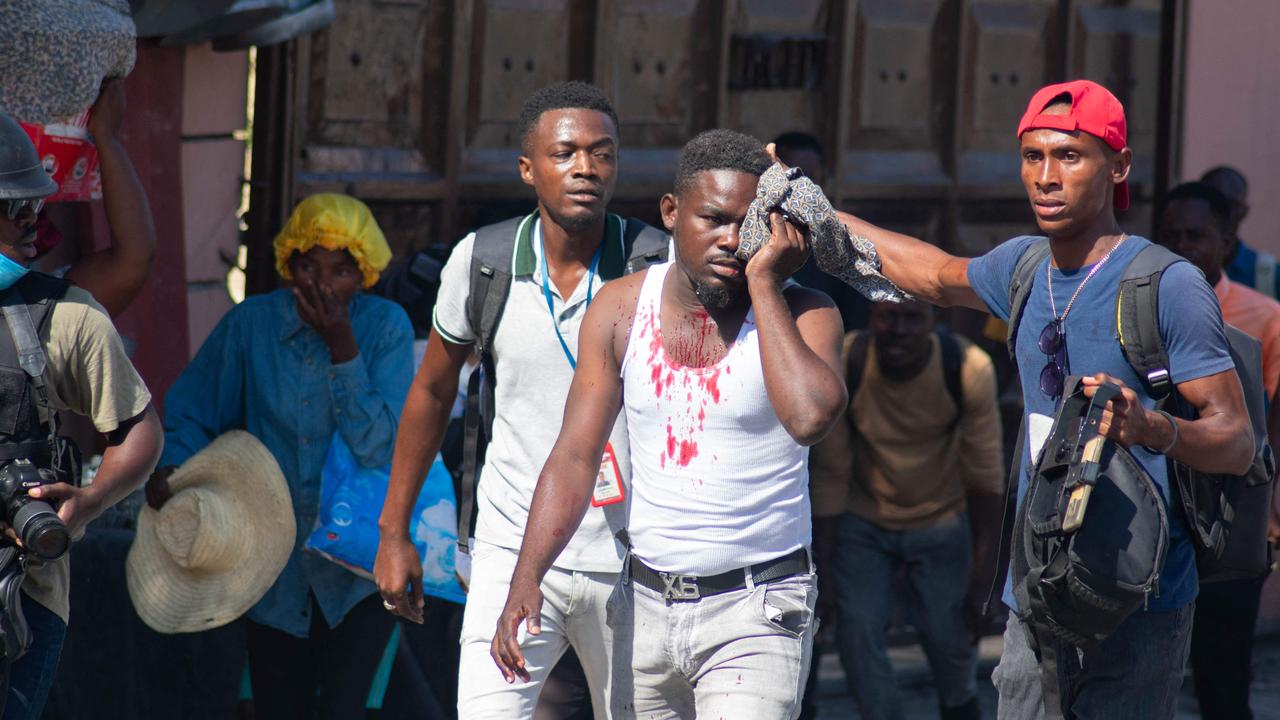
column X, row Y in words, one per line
column 265, row 371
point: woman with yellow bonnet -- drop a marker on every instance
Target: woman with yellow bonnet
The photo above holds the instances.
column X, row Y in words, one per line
column 293, row 367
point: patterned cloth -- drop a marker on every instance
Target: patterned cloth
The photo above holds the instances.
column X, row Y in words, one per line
column 56, row 53
column 853, row 260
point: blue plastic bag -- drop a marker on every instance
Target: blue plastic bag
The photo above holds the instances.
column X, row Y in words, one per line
column 351, row 498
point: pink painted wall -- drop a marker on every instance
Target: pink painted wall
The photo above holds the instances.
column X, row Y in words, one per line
column 213, row 106
column 1230, row 112
column 1232, row 103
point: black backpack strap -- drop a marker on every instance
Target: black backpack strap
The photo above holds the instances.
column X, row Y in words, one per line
column 1138, row 319
column 490, row 279
column 1046, row 647
column 952, row 369
column 26, row 338
column 1010, row 492
column 473, row 448
column 1024, row 277
column 27, row 306
column 645, row 244
column 490, row 284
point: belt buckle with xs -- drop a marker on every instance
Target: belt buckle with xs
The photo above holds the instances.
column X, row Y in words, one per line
column 679, row 587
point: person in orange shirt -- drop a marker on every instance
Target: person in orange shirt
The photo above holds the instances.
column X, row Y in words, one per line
column 1195, row 221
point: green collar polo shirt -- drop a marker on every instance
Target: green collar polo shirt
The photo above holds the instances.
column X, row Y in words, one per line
column 533, row 378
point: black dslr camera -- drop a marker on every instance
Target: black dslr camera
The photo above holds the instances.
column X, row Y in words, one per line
column 38, row 526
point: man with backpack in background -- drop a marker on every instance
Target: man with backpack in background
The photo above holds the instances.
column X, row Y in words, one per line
column 1195, row 221
column 516, row 293
column 1059, row 294
column 911, row 478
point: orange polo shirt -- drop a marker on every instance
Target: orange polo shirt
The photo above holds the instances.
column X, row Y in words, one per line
column 1259, row 316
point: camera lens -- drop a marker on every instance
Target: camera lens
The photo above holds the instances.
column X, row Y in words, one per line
column 41, row 530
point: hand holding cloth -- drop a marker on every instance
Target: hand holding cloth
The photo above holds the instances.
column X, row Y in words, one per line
column 852, row 260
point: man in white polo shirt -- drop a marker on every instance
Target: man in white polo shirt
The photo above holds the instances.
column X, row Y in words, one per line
column 562, row 254
column 729, row 373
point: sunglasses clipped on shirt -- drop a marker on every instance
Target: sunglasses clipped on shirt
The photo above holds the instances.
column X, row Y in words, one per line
column 14, row 208
column 1053, row 343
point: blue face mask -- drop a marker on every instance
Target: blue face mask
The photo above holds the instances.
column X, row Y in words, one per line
column 10, row 272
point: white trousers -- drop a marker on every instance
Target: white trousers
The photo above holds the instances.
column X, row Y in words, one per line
column 573, row 613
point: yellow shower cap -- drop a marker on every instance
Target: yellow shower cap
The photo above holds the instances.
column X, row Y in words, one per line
column 334, row 222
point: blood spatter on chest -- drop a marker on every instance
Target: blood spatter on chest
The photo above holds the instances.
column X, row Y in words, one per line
column 680, row 450
column 686, row 392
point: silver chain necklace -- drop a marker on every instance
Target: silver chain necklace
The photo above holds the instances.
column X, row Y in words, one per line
column 1094, row 271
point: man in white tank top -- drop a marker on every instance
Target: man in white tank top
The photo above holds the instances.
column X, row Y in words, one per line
column 729, row 373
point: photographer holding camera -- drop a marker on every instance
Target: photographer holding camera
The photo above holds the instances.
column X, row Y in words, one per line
column 59, row 352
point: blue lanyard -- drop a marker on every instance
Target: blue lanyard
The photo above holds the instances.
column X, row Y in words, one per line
column 546, row 292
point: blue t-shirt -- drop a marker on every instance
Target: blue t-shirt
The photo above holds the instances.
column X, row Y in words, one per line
column 1190, row 323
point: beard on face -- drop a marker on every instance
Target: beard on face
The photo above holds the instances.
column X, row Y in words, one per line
column 716, row 297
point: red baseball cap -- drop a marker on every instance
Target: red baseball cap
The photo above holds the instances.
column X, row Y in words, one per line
column 1094, row 110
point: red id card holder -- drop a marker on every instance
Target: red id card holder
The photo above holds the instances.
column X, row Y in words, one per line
column 609, row 488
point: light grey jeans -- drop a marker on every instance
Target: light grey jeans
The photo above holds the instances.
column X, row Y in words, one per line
column 573, row 605
column 740, row 654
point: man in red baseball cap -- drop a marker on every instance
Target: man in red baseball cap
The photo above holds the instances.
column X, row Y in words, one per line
column 1075, row 166
column 1084, row 106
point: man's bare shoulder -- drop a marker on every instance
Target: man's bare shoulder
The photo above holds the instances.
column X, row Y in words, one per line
column 802, row 299
column 615, row 309
column 620, row 296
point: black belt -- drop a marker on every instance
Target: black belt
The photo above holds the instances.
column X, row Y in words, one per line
column 692, row 587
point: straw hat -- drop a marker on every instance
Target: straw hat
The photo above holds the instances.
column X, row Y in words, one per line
column 212, row 551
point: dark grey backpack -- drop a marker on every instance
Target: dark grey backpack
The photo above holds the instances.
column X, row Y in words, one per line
column 1092, row 532
column 491, row 258
column 1090, row 538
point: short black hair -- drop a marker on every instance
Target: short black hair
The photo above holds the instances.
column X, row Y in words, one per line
column 720, row 150
column 1224, row 176
column 572, row 94
column 799, row 140
column 1218, row 203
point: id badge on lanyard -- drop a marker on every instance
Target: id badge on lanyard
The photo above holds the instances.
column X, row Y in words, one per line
column 608, row 486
